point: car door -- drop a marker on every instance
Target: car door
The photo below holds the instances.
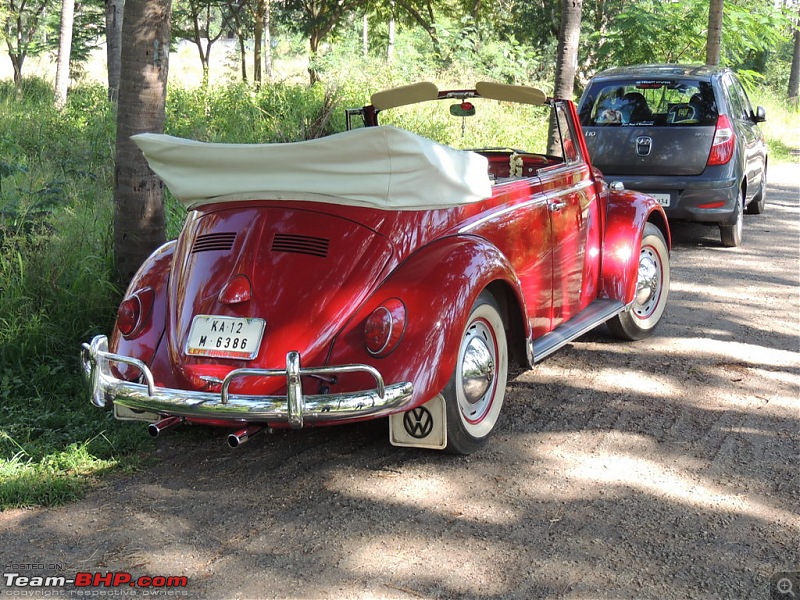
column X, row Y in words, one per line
column 570, row 197
column 752, row 140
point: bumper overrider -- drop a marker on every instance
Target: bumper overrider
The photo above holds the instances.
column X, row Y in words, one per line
column 294, row 408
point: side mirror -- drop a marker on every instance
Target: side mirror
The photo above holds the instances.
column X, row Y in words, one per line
column 760, row 115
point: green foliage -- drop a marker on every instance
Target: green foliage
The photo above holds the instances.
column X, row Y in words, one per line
column 237, row 113
column 55, row 291
column 780, row 129
column 653, row 31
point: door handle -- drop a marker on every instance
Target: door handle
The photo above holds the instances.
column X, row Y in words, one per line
column 557, row 206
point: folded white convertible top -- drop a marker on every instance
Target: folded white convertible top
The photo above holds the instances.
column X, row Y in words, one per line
column 379, row 167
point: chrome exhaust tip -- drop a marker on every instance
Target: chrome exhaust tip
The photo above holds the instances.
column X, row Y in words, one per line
column 240, row 437
column 155, row 429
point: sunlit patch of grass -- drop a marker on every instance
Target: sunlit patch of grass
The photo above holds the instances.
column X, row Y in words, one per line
column 780, row 128
column 58, row 477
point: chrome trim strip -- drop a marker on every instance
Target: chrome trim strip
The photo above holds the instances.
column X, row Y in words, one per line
column 295, row 409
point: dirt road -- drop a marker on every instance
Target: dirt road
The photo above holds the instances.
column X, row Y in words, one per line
column 666, row 468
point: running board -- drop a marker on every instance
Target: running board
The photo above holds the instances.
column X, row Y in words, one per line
column 590, row 317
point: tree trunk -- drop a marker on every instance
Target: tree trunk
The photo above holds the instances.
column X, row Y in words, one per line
column 568, row 39
column 314, row 41
column 794, row 73
column 268, row 39
column 139, row 225
column 365, row 36
column 114, row 10
column 64, row 51
column 714, row 36
column 258, row 39
column 390, row 45
column 567, row 58
column 243, row 56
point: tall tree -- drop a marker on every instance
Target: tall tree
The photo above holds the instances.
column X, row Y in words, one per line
column 20, row 21
column 259, row 8
column 567, row 59
column 794, row 72
column 139, row 224
column 64, row 52
column 203, row 22
column 317, row 19
column 714, row 36
column 114, row 11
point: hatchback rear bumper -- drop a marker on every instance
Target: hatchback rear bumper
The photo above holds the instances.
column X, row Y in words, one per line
column 295, row 408
column 692, row 198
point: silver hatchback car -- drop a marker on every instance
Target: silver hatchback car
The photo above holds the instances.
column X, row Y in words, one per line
column 686, row 135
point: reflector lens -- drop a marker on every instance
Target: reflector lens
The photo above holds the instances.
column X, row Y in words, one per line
column 384, row 327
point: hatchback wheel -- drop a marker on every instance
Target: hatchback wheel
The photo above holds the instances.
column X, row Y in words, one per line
column 757, row 204
column 731, row 235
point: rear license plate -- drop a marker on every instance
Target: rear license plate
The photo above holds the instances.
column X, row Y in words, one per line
column 225, row 337
column 663, row 199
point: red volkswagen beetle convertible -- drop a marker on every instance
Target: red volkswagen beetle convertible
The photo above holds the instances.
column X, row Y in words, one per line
column 379, row 273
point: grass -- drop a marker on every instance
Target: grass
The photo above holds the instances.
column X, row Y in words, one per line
column 781, row 128
column 57, row 287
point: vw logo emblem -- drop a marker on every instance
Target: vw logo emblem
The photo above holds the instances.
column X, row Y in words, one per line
column 418, row 422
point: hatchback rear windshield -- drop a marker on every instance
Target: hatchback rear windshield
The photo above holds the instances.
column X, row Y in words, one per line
column 660, row 102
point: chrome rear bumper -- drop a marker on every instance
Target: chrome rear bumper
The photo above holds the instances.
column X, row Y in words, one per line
column 295, row 408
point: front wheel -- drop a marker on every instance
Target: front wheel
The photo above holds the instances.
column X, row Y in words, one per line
column 758, row 204
column 652, row 288
column 474, row 395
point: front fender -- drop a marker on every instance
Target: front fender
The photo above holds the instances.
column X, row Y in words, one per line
column 627, row 214
column 438, row 285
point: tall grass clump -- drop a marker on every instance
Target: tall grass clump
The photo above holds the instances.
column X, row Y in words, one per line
column 780, row 128
column 56, row 290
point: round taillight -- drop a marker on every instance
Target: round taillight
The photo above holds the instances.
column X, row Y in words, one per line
column 384, row 327
column 128, row 315
column 134, row 311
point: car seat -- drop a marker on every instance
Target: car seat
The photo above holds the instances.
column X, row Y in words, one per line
column 635, row 108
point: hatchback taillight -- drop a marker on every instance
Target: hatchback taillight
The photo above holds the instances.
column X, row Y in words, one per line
column 724, row 142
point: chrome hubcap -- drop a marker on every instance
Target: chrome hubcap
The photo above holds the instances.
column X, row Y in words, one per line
column 477, row 366
column 647, row 283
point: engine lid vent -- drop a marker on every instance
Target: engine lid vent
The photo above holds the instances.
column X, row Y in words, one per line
column 300, row 244
column 209, row 242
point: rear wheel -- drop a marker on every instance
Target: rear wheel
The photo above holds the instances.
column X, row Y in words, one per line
column 758, row 203
column 731, row 235
column 474, row 395
column 652, row 287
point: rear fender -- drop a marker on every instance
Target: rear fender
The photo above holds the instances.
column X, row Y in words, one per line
column 438, row 286
column 627, row 214
column 153, row 275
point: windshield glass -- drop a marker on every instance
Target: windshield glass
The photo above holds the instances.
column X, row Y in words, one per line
column 660, row 102
column 474, row 123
